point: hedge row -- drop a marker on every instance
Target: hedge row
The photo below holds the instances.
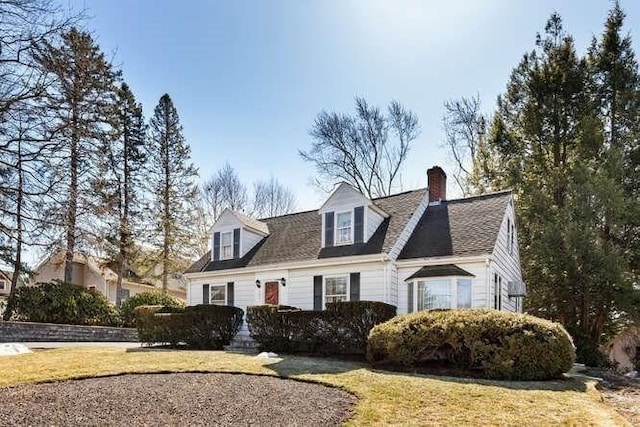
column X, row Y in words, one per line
column 64, row 303
column 493, row 344
column 342, row 328
column 199, row 326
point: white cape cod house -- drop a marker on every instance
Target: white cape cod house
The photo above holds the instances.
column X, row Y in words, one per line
column 415, row 250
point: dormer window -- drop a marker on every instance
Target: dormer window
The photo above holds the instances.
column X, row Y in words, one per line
column 226, row 245
column 344, row 228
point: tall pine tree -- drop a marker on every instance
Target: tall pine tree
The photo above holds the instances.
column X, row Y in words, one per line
column 171, row 178
column 120, row 183
column 79, row 98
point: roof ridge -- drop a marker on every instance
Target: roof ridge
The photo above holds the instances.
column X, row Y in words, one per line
column 480, row 196
column 399, row 194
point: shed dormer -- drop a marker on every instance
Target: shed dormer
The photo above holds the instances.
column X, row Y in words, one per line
column 349, row 217
column 234, row 234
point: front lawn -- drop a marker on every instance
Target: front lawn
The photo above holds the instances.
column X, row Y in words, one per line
column 385, row 397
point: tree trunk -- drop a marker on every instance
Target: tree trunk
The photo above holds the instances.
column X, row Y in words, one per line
column 72, row 210
column 167, row 207
column 17, row 264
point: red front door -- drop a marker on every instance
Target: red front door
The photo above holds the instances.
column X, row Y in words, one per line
column 271, row 293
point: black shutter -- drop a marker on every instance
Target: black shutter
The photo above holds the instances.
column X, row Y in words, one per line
column 358, row 224
column 328, row 229
column 205, row 294
column 230, row 301
column 410, row 297
column 354, row 287
column 236, row 243
column 317, row 292
column 216, row 246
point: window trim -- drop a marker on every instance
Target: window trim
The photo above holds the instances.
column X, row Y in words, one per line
column 335, row 228
column 230, row 245
column 347, row 278
column 224, row 287
column 453, row 290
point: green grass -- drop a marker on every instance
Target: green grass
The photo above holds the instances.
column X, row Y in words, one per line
column 384, row 397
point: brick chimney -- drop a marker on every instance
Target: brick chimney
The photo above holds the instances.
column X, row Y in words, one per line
column 437, row 184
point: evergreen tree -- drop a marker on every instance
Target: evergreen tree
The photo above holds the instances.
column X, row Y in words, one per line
column 171, row 179
column 558, row 139
column 120, row 182
column 79, row 99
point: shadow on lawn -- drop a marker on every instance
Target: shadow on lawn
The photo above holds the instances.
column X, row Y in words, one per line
column 568, row 383
column 299, row 365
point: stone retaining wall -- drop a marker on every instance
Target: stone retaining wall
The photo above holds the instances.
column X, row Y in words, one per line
column 38, row 332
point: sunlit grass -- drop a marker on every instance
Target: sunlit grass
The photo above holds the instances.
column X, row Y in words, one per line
column 385, row 397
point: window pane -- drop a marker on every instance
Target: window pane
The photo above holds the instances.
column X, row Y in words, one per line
column 335, row 289
column 227, row 252
column 218, row 294
column 344, row 219
column 434, row 294
column 226, row 238
column 464, row 293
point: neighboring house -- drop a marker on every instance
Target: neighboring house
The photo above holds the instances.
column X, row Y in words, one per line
column 5, row 289
column 5, row 283
column 92, row 274
column 415, row 250
column 624, row 350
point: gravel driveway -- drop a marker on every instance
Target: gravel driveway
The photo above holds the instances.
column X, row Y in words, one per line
column 172, row 399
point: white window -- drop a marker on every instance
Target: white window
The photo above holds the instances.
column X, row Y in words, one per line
column 2, row 284
column 218, row 295
column 464, row 293
column 226, row 245
column 344, row 228
column 509, row 235
column 434, row 294
column 335, row 289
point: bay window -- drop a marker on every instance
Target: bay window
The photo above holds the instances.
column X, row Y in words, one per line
column 440, row 293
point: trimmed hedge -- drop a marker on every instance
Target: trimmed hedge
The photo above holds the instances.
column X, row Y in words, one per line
column 63, row 303
column 200, row 326
column 492, row 344
column 340, row 329
column 128, row 306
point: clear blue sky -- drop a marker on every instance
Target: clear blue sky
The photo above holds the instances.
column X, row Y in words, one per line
column 248, row 77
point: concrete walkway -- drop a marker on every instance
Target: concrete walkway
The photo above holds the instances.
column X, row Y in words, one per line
column 40, row 345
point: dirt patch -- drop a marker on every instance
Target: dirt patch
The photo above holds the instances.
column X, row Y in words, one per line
column 172, row 399
column 621, row 392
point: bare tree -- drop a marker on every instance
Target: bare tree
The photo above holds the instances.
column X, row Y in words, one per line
column 270, row 198
column 366, row 150
column 24, row 143
column 465, row 129
column 224, row 190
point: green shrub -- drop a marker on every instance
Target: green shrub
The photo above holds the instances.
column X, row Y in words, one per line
column 65, row 303
column 128, row 306
column 341, row 329
column 201, row 326
column 493, row 344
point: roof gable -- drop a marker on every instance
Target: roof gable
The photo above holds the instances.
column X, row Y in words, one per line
column 231, row 219
column 460, row 227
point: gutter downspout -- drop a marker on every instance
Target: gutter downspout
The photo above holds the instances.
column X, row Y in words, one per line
column 488, row 279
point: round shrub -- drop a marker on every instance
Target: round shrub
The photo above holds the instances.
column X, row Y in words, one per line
column 128, row 306
column 66, row 303
column 488, row 343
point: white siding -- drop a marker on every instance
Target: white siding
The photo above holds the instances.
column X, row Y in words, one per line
column 409, row 227
column 478, row 283
column 343, row 199
column 373, row 220
column 506, row 263
column 372, row 285
column 247, row 241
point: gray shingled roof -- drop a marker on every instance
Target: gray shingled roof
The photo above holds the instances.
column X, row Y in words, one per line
column 296, row 237
column 458, row 227
column 441, row 270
